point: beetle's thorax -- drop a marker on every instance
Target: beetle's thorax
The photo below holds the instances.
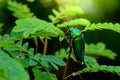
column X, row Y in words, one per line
column 74, row 32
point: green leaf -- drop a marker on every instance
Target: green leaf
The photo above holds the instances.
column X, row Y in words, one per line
column 51, row 17
column 37, row 55
column 12, row 69
column 12, row 48
column 55, row 12
column 63, row 13
column 6, row 41
column 36, row 27
column 25, row 46
column 31, row 50
column 16, row 35
column 5, row 37
column 30, row 0
column 90, row 61
column 100, row 26
column 19, row 10
column 61, row 38
column 62, row 53
column 29, row 25
column 75, row 22
column 40, row 75
column 104, row 68
column 45, row 63
column 3, row 75
column 54, row 65
column 31, row 62
column 27, row 32
column 19, row 43
column 53, row 60
column 100, row 50
column 1, row 26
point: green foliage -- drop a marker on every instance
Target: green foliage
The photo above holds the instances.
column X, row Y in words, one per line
column 32, row 60
column 63, row 13
column 90, row 62
column 30, row 0
column 40, row 75
column 104, row 68
column 19, row 10
column 1, row 25
column 11, row 69
column 26, row 58
column 7, row 43
column 95, row 67
column 75, row 22
column 30, row 27
column 63, row 53
column 36, row 27
column 100, row 26
column 99, row 50
column 54, row 61
column 90, row 49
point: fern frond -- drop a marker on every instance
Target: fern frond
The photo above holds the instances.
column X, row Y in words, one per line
column 104, row 68
column 62, row 53
column 36, row 27
column 42, row 75
column 100, row 26
column 9, row 45
column 53, row 60
column 63, row 13
column 100, row 50
column 75, row 22
column 90, row 62
column 19, row 49
column 19, row 10
column 93, row 66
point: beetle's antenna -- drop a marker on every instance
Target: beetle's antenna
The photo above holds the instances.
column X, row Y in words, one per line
column 68, row 19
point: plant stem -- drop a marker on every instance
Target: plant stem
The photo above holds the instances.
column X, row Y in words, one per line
column 36, row 44
column 20, row 54
column 67, row 76
column 66, row 67
column 45, row 46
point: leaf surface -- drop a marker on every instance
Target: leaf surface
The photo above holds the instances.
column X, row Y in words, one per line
column 12, row 69
column 100, row 50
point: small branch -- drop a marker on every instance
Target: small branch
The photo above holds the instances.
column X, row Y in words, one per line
column 36, row 44
column 67, row 76
column 66, row 67
column 45, row 46
column 20, row 54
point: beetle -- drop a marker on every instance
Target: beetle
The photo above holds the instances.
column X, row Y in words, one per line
column 77, row 43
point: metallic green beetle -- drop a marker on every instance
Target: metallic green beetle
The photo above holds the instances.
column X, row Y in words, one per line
column 77, row 43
